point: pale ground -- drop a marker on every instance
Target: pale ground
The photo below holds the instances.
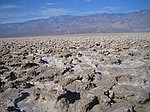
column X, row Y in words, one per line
column 75, row 73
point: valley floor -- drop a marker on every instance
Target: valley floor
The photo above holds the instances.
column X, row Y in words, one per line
column 75, row 73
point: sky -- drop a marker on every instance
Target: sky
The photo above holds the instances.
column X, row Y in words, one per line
column 23, row 10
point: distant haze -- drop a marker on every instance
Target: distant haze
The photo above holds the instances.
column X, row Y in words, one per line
column 67, row 24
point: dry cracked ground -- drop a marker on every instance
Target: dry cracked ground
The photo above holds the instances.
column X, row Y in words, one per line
column 75, row 73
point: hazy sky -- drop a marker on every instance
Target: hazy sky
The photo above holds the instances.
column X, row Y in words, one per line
column 22, row 10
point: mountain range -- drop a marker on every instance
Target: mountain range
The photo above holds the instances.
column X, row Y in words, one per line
column 97, row 23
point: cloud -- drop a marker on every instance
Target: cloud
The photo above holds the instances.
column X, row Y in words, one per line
column 54, row 12
column 12, row 20
column 90, row 12
column 9, row 16
column 8, row 6
column 88, row 0
column 110, row 8
column 50, row 3
column 18, row 16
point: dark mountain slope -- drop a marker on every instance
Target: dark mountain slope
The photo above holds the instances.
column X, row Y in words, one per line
column 97, row 23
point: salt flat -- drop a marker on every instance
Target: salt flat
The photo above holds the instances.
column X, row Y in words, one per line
column 75, row 73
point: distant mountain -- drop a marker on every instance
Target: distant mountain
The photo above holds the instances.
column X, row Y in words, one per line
column 97, row 23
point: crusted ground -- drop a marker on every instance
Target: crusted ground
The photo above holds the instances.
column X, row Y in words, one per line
column 75, row 73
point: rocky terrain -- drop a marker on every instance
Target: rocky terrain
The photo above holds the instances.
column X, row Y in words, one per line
column 75, row 73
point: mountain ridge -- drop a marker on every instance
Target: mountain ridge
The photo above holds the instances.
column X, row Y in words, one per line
column 67, row 24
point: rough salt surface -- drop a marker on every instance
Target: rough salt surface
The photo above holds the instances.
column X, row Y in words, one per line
column 76, row 73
